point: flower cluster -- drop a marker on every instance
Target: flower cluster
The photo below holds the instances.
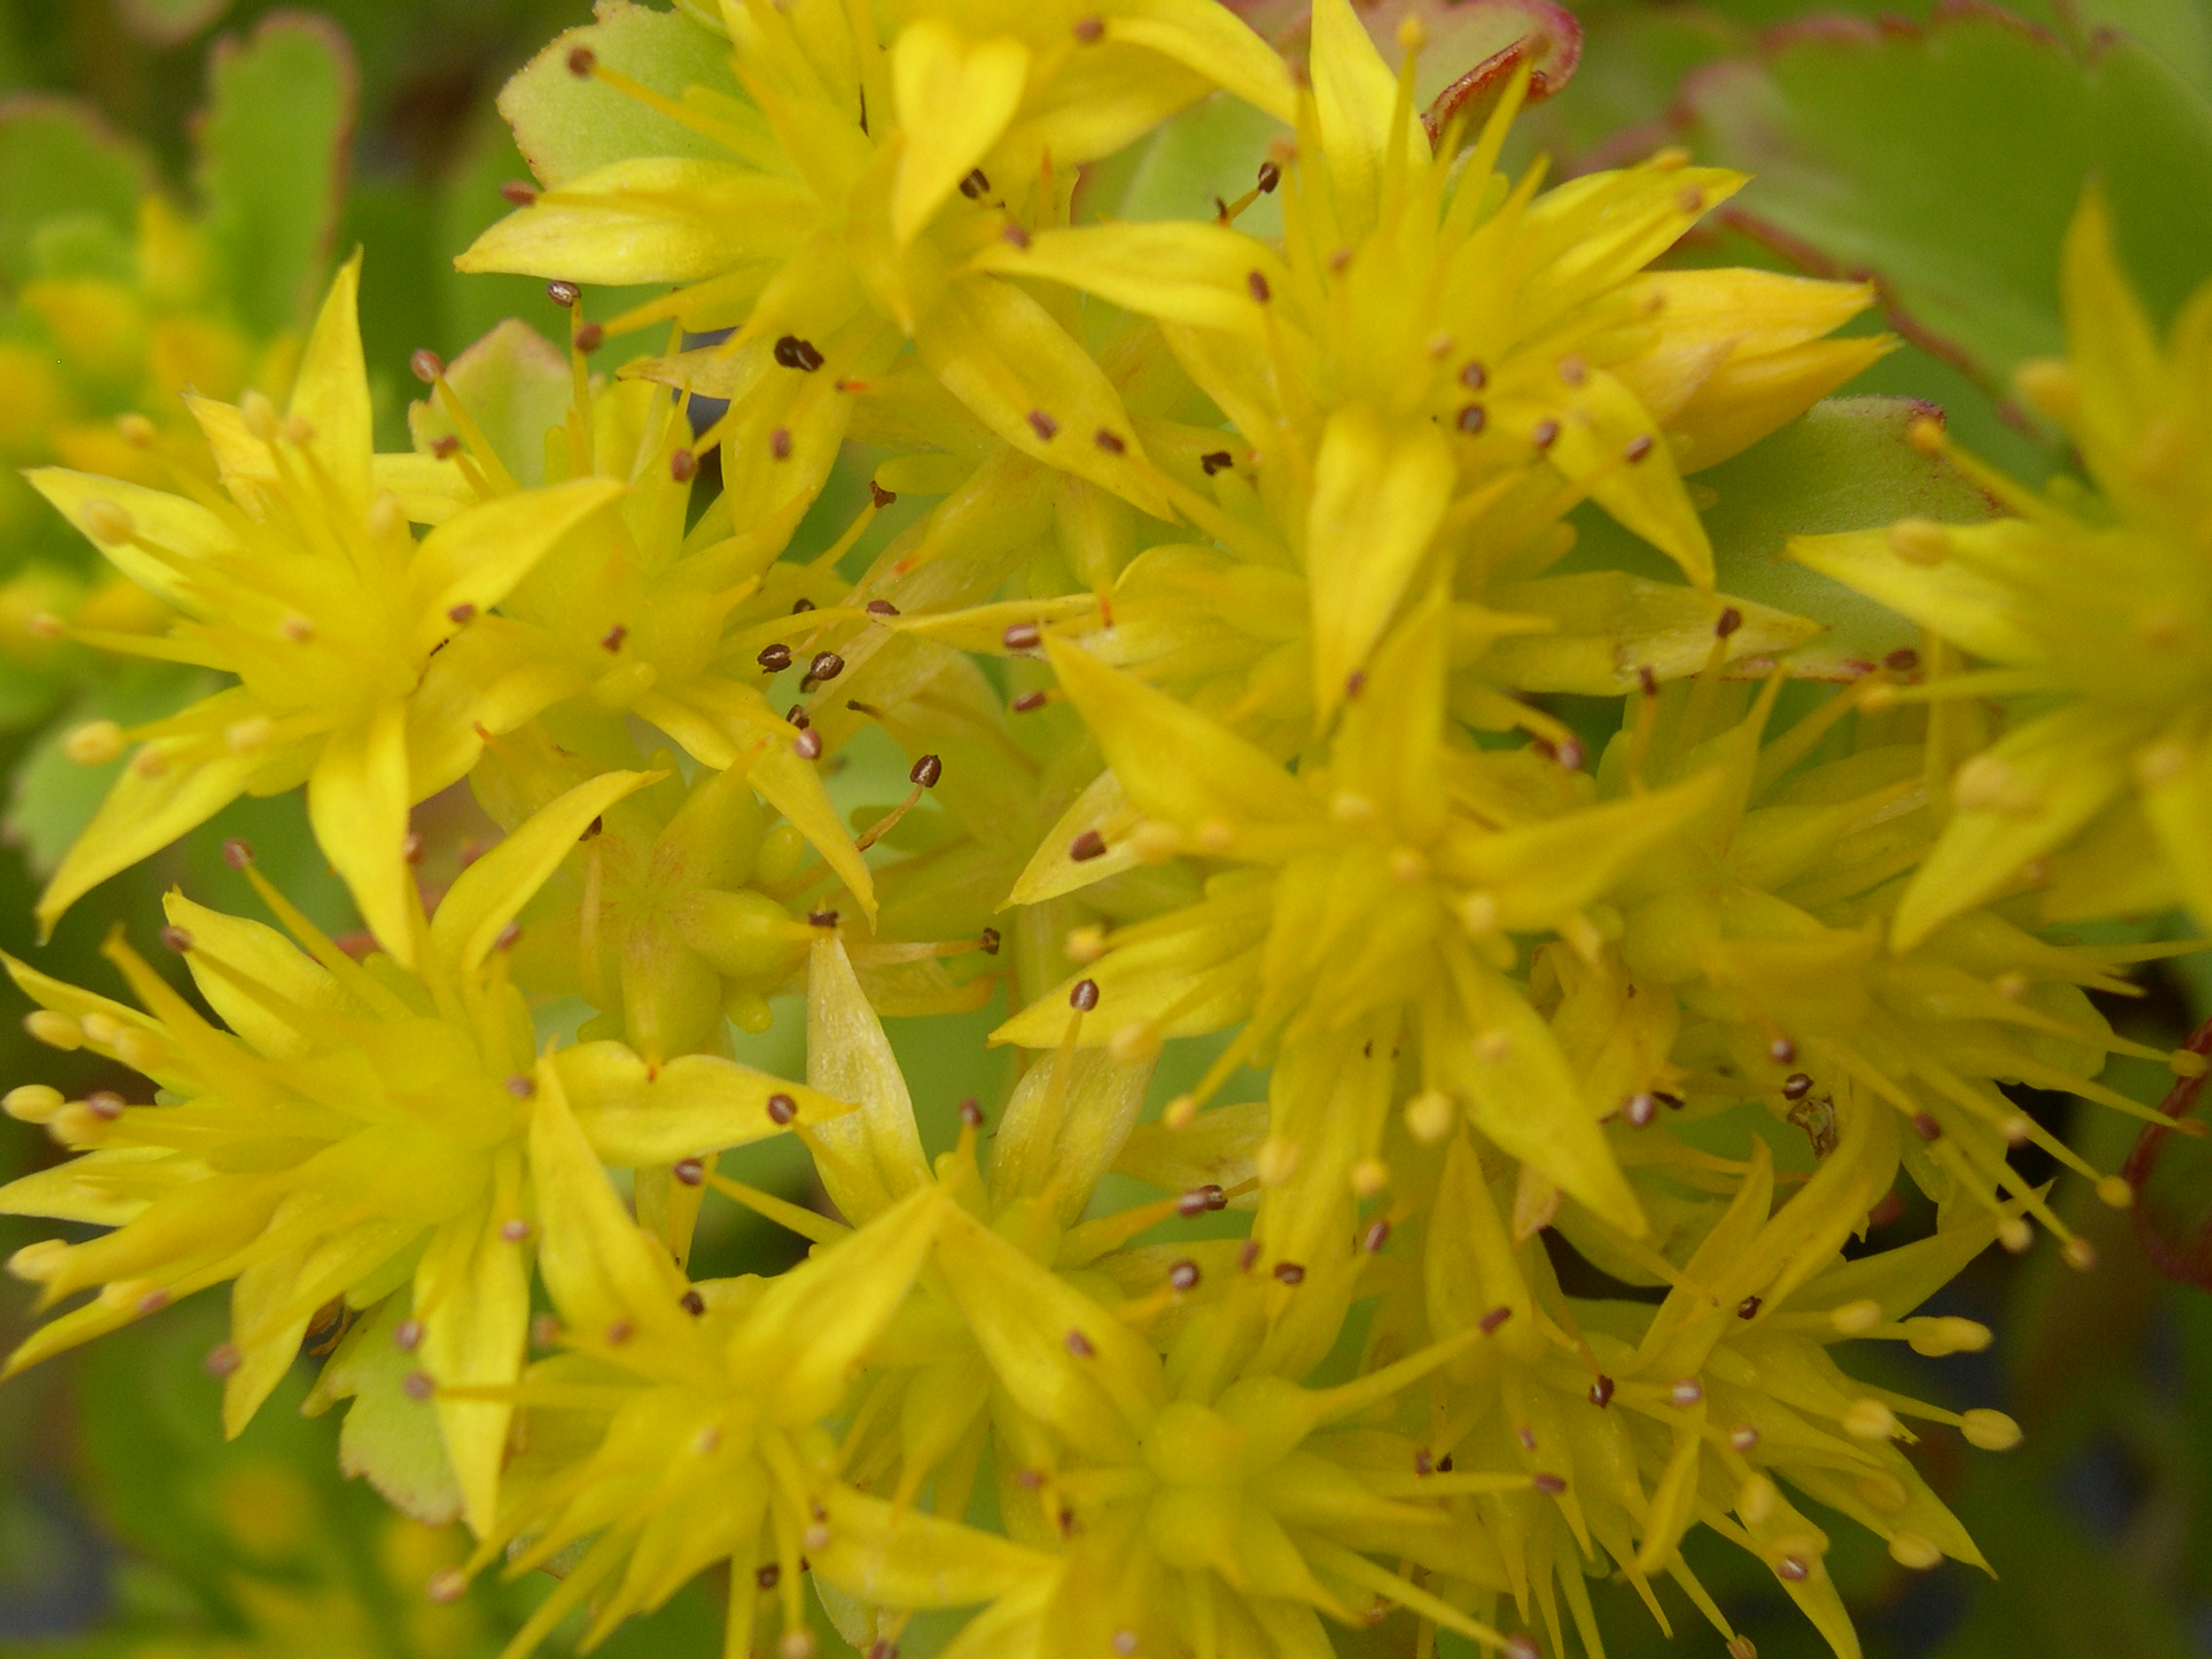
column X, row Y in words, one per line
column 1242, row 681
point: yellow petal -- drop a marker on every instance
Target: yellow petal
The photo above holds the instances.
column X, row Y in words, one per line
column 1379, row 491
column 876, row 1151
column 636, row 1116
column 955, row 99
column 491, row 891
column 475, row 1286
column 331, row 392
column 357, row 801
column 179, row 527
column 476, row 557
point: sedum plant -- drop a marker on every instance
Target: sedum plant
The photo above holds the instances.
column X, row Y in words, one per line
column 1464, row 993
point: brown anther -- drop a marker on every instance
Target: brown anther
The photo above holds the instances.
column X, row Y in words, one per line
column 1029, row 702
column 588, row 338
column 1014, row 233
column 1551, row 1486
column 461, row 614
column 769, row 1577
column 1685, row 1392
column 1749, row 1308
column 1271, row 175
column 583, row 60
column 445, row 447
column 987, row 942
column 1602, row 1390
column 1640, row 1109
column 801, row 604
column 792, row 353
column 1473, row 419
column 827, row 665
column 1029, row 1480
column 780, row 445
column 1424, row 1465
column 611, row 639
column 1573, row 370
column 1793, row 1568
column 1079, row 1344
column 1197, row 1201
column 176, row 940
column 1355, row 683
column 1727, row 622
column 1083, row 997
column 807, row 746
column 690, row 1171
column 1246, row 1256
column 782, row 1109
column 1743, row 1437
column 774, row 658
column 1782, row 1050
column 1183, row 1275
column 1527, row 1436
column 879, row 497
column 1216, row 460
column 1569, row 758
column 1110, row 442
column 1474, row 377
column 1091, row 844
column 1257, row 285
column 518, row 194
column 1521, row 1646
column 974, row 186
column 507, row 937
column 520, row 1086
column 1290, row 1272
column 563, row 294
column 1904, row 660
column 105, row 1104
column 683, row 466
column 1376, row 1235
column 972, row 1113
column 1023, row 636
column 426, row 364
column 692, row 1303
column 416, row 1385
column 1647, row 681
column 1544, row 433
column 822, row 918
column 619, row 1332
column 223, row 1359
column 544, row 1331
column 880, row 607
column 1044, row 426
column 1639, row 447
column 1926, row 1126
column 407, row 1334
column 1489, row 1323
column 1089, row 30
column 514, row 1231
column 411, row 848
column 1796, row 1086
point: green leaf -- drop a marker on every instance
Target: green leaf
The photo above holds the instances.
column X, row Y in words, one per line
column 1947, row 162
column 272, row 164
column 57, row 158
column 170, row 22
column 1845, row 465
column 566, row 125
column 515, row 384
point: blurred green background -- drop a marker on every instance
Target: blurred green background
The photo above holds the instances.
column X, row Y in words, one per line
column 175, row 178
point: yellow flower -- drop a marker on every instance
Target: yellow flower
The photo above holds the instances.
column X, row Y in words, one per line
column 1635, row 1423
column 1375, row 891
column 1436, row 349
column 835, row 180
column 360, row 1128
column 681, row 1428
column 1763, row 928
column 364, row 667
column 2092, row 614
column 1205, row 1501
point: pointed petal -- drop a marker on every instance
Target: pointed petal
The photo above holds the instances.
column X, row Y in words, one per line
column 357, row 801
column 476, row 1287
column 331, row 392
column 877, row 1152
column 955, row 97
column 173, row 523
column 492, row 892
column 476, row 557
column 636, row 1116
